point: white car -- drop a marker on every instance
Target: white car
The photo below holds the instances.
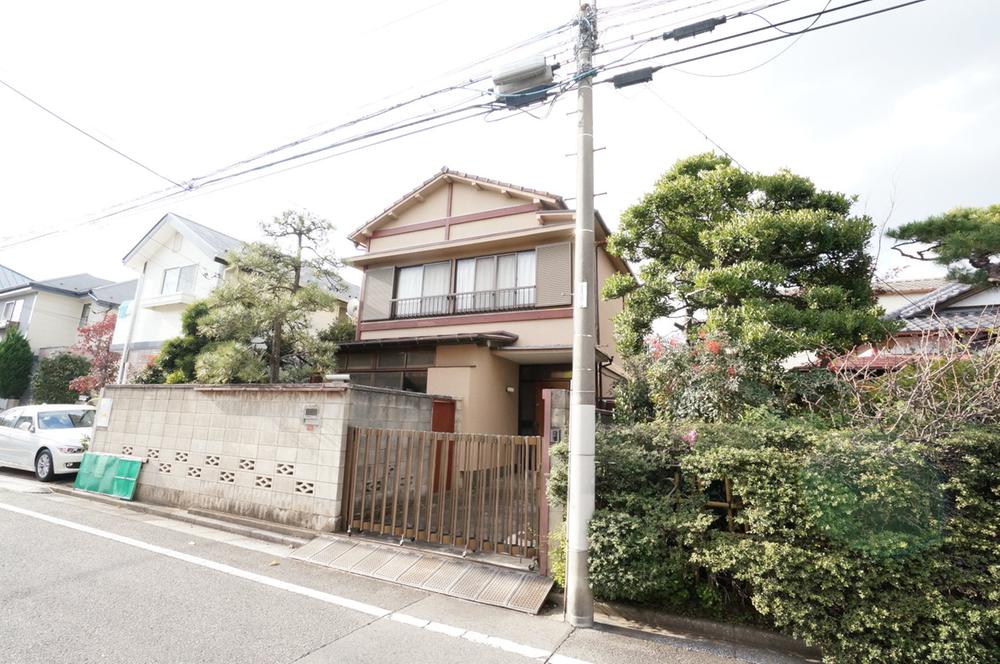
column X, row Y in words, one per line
column 49, row 440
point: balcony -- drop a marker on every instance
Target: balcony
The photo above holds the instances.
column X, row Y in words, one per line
column 503, row 299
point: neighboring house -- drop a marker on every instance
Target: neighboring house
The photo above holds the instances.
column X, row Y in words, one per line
column 951, row 311
column 894, row 295
column 50, row 312
column 178, row 261
column 467, row 292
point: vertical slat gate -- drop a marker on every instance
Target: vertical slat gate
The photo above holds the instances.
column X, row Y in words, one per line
column 475, row 492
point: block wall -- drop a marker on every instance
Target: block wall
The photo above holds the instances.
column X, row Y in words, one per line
column 250, row 450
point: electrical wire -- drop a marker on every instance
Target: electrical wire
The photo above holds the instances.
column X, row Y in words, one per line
column 87, row 134
column 756, row 43
column 698, row 129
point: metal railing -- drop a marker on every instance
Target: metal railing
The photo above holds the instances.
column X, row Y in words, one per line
column 475, row 491
column 501, row 299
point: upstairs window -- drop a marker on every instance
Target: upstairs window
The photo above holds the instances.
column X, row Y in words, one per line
column 178, row 280
column 422, row 290
column 495, row 283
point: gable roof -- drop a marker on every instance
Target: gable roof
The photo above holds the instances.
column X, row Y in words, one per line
column 77, row 284
column 10, row 279
column 928, row 303
column 215, row 243
column 909, row 286
column 114, row 294
column 440, row 179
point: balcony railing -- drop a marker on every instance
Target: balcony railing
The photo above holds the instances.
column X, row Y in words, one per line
column 502, row 299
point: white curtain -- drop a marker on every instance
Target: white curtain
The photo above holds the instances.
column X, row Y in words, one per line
column 437, row 279
column 506, row 281
column 485, row 282
column 465, row 283
column 526, row 278
column 409, row 288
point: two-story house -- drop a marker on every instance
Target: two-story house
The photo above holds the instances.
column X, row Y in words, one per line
column 178, row 261
column 467, row 292
column 50, row 312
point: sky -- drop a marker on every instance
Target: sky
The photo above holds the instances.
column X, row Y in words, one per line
column 898, row 109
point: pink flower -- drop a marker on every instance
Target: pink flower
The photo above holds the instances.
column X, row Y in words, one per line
column 713, row 346
column 690, row 437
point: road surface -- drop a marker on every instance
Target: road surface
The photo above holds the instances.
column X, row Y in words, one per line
column 85, row 582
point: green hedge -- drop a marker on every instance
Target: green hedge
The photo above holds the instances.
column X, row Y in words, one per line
column 873, row 549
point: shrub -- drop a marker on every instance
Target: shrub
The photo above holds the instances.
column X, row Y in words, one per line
column 229, row 362
column 15, row 365
column 52, row 379
column 873, row 547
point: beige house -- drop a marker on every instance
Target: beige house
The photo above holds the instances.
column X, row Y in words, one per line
column 467, row 292
column 50, row 312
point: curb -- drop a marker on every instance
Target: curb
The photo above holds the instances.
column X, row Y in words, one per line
column 637, row 617
column 255, row 532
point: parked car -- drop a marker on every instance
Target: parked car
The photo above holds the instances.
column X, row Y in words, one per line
column 49, row 439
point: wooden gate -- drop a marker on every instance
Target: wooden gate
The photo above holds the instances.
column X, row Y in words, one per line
column 475, row 491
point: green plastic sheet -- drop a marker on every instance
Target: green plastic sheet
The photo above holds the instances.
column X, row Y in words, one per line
column 108, row 474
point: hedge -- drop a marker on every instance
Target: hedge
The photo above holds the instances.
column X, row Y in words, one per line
column 872, row 548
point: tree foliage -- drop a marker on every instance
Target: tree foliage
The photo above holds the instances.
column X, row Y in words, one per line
column 94, row 344
column 15, row 365
column 178, row 355
column 51, row 383
column 769, row 260
column 268, row 301
column 965, row 239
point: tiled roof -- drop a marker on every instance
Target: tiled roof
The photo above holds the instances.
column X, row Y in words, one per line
column 972, row 318
column 908, row 286
column 928, row 302
column 445, row 171
column 9, row 279
column 75, row 283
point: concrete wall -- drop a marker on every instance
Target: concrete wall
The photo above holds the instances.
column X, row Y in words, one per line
column 248, row 449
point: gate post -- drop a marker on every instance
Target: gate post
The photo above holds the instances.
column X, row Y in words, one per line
column 555, row 409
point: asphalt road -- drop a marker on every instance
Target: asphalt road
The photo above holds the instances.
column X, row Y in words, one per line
column 85, row 582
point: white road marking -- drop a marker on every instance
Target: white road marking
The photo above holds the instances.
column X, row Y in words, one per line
column 527, row 651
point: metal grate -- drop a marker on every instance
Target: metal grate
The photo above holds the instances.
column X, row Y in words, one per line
column 479, row 582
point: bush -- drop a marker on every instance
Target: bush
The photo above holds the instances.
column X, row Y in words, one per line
column 872, row 547
column 229, row 362
column 15, row 365
column 51, row 381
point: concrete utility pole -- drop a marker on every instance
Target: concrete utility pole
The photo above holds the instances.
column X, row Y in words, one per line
column 583, row 397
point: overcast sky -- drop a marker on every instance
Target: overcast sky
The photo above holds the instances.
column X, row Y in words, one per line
column 900, row 106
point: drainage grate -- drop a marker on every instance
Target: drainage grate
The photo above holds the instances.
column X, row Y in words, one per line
column 479, row 582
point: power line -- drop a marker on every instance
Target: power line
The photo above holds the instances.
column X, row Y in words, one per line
column 698, row 129
column 756, row 43
column 87, row 134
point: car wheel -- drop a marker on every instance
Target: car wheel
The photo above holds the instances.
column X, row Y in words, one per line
column 44, row 468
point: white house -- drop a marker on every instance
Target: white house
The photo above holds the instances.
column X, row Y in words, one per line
column 178, row 261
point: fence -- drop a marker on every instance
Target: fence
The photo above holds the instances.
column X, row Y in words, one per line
column 475, row 491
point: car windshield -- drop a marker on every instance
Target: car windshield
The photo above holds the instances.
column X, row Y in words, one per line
column 66, row 419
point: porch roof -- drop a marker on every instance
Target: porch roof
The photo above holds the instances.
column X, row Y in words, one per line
column 489, row 339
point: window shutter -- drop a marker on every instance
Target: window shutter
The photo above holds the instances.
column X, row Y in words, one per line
column 553, row 268
column 376, row 301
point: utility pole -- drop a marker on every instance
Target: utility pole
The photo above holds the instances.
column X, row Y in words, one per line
column 583, row 397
